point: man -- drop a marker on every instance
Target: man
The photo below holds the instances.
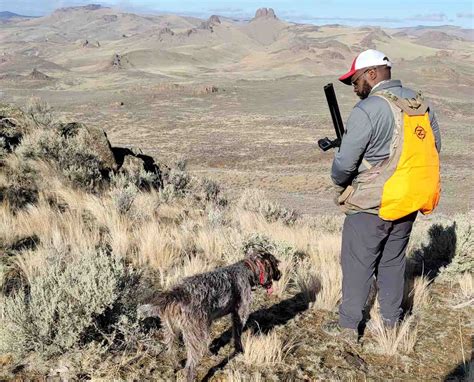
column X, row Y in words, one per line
column 372, row 246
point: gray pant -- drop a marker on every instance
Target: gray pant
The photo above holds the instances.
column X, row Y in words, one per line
column 372, row 246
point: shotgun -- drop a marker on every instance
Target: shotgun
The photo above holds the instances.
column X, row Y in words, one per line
column 326, row 143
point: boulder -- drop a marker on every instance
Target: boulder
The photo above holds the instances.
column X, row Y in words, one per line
column 93, row 137
column 134, row 164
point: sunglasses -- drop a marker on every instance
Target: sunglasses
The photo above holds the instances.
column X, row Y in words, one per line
column 354, row 82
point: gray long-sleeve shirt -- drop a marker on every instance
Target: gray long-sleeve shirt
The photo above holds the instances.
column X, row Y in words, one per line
column 368, row 133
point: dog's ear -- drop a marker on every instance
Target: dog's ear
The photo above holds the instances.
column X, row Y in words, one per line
column 276, row 274
column 253, row 254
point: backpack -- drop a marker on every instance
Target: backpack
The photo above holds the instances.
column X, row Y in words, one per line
column 409, row 179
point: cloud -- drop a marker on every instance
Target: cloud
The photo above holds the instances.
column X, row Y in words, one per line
column 226, row 10
column 308, row 18
column 465, row 15
column 439, row 17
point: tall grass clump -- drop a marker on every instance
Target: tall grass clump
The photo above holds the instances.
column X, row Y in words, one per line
column 404, row 335
column 264, row 349
column 390, row 341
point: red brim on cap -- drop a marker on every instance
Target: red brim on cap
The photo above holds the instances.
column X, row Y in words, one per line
column 346, row 78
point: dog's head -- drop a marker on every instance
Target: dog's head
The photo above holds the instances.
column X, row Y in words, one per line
column 266, row 267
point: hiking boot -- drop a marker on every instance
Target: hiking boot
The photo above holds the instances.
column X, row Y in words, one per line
column 333, row 329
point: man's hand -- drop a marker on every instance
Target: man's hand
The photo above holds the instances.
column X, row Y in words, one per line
column 338, row 190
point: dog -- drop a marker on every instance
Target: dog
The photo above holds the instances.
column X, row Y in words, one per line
column 190, row 307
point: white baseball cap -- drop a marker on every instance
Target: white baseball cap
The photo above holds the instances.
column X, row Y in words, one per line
column 366, row 59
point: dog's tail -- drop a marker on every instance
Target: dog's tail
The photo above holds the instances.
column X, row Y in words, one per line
column 165, row 302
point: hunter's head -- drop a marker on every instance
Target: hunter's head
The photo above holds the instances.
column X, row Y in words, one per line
column 368, row 69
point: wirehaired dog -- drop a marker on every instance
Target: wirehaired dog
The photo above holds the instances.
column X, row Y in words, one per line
column 191, row 306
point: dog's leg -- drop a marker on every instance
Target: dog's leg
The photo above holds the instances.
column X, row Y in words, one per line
column 196, row 339
column 237, row 328
column 170, row 333
column 239, row 318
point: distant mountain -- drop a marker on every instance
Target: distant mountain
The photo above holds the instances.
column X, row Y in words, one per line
column 6, row 15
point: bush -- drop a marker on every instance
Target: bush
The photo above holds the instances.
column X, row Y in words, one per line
column 63, row 302
column 255, row 201
column 258, row 242
column 70, row 155
column 463, row 259
column 40, row 112
column 123, row 193
column 20, row 189
column 446, row 249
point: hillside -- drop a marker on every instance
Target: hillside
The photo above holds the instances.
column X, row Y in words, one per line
column 137, row 150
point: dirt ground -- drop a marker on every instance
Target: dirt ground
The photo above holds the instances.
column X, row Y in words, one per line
column 256, row 134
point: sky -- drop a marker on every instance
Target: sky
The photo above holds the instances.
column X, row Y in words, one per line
column 398, row 13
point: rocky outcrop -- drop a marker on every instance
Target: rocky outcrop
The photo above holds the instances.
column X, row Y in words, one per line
column 268, row 13
column 37, row 75
column 165, row 31
column 93, row 137
column 191, row 31
column 88, row 44
column 110, row 18
column 119, row 62
column 12, row 126
column 210, row 23
column 134, row 164
column 369, row 41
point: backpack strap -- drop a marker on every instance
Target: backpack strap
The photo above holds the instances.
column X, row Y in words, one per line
column 411, row 106
column 367, row 164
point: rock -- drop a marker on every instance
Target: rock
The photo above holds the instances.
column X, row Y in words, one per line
column 189, row 32
column 98, row 141
column 134, row 164
column 68, row 129
column 214, row 19
column 37, row 75
column 12, row 127
column 211, row 89
column 92, row 7
column 110, row 18
column 93, row 137
column 265, row 13
column 165, row 31
column 210, row 23
column 117, row 60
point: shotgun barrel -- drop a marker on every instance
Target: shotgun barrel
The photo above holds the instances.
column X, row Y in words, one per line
column 326, row 143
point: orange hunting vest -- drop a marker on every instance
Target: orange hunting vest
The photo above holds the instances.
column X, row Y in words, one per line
column 407, row 181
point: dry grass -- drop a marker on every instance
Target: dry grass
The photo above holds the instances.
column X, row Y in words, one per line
column 325, row 261
column 86, row 241
column 264, row 349
column 391, row 341
column 402, row 337
column 466, row 285
column 235, row 375
column 465, row 281
column 420, row 294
